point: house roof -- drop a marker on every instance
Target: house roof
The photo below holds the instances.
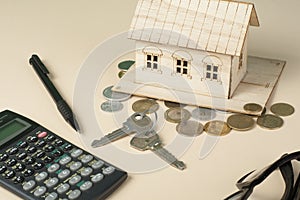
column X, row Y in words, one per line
column 218, row 26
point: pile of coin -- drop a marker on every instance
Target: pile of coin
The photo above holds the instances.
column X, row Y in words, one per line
column 114, row 99
column 124, row 67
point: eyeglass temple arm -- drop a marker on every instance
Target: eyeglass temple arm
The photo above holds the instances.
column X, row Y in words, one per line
column 296, row 190
column 288, row 176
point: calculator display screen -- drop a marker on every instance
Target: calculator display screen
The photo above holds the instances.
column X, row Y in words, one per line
column 12, row 129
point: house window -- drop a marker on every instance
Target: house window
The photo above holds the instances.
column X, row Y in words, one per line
column 212, row 72
column 182, row 67
column 241, row 60
column 152, row 61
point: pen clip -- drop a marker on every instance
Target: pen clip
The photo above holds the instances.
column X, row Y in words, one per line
column 36, row 61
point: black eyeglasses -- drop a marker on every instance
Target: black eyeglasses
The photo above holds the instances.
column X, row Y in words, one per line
column 248, row 182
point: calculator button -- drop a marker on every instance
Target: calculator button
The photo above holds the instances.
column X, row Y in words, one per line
column 9, row 174
column 40, row 154
column 75, row 179
column 19, row 179
column 108, row 170
column 3, row 157
column 41, row 143
column 65, row 160
column 28, row 172
column 58, row 142
column 31, row 149
column 86, row 171
column 29, row 185
column 13, row 151
column 32, row 139
column 74, row 194
column 75, row 166
column 20, row 167
column 41, row 176
column 63, row 174
column 11, row 162
column 87, row 185
column 22, row 156
column 42, row 134
column 52, row 196
column 57, row 153
column 76, row 153
column 29, row 161
column 63, row 188
column 87, row 158
column 53, row 168
column 49, row 148
column 48, row 159
column 40, row 191
column 38, row 166
column 52, row 182
column 98, row 177
column 68, row 147
column 98, row 164
column 50, row 138
column 23, row 145
column 2, row 169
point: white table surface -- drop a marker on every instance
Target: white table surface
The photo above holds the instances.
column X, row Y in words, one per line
column 63, row 33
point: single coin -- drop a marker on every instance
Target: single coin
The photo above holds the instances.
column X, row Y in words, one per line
column 171, row 104
column 177, row 115
column 282, row 109
column 147, row 106
column 111, row 106
column 121, row 74
column 253, row 108
column 125, row 65
column 269, row 121
column 190, row 128
column 240, row 122
column 204, row 114
column 115, row 96
column 217, row 128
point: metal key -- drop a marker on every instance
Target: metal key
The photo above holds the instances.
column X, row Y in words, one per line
column 152, row 142
column 137, row 123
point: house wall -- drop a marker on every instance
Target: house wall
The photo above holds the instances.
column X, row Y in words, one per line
column 238, row 73
column 195, row 82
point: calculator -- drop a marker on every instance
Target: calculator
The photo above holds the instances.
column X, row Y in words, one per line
column 35, row 163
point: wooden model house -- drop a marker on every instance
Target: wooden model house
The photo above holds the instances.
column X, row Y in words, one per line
column 195, row 52
column 197, row 46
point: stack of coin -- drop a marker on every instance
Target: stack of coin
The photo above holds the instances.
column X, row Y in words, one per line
column 124, row 67
column 189, row 128
column 114, row 99
column 147, row 106
column 177, row 115
column 240, row 122
column 217, row 128
column 204, row 114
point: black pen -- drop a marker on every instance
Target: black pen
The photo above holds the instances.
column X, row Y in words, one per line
column 61, row 104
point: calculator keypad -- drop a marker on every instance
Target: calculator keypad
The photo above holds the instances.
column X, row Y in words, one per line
column 50, row 168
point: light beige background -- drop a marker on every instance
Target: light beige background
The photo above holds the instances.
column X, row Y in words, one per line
column 64, row 32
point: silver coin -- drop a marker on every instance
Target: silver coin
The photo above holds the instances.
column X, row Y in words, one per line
column 189, row 128
column 282, row 109
column 177, row 115
column 115, row 96
column 270, row 122
column 171, row 104
column 204, row 114
column 111, row 106
column 147, row 106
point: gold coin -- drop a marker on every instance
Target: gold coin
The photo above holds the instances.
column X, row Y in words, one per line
column 253, row 108
column 147, row 106
column 240, row 122
column 189, row 128
column 171, row 104
column 217, row 128
column 270, row 121
column 176, row 115
column 282, row 109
